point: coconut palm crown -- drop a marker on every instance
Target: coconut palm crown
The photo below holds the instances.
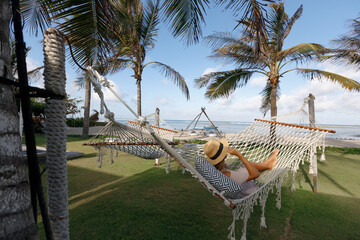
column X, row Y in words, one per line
column 135, row 35
column 271, row 60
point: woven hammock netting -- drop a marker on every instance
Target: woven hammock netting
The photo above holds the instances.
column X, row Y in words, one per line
column 296, row 143
column 256, row 143
column 132, row 138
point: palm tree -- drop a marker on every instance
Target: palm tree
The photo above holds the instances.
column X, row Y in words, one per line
column 17, row 220
column 350, row 43
column 186, row 17
column 134, row 36
column 271, row 60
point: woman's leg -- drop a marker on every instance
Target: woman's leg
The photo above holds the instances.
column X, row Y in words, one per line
column 268, row 164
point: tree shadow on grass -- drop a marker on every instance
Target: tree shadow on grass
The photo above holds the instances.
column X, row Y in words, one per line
column 306, row 177
column 147, row 205
column 332, row 180
column 155, row 205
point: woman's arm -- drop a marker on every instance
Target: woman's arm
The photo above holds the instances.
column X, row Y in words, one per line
column 253, row 172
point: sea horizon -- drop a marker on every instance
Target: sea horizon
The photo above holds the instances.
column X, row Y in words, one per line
column 343, row 131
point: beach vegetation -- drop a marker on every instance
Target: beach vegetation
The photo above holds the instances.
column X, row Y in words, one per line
column 344, row 150
column 265, row 55
column 349, row 44
column 134, row 35
column 133, row 199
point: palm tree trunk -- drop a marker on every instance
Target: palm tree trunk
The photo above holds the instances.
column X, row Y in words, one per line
column 273, row 102
column 138, row 82
column 273, row 110
column 86, row 122
column 16, row 214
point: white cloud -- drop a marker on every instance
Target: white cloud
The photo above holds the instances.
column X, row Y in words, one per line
column 247, row 104
column 165, row 82
column 226, row 100
column 258, row 81
column 347, row 71
column 329, row 97
column 161, row 101
column 134, row 99
column 210, row 70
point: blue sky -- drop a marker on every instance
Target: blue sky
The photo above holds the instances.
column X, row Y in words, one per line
column 321, row 22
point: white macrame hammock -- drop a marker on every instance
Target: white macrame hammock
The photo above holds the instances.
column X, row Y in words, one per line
column 132, row 138
column 295, row 143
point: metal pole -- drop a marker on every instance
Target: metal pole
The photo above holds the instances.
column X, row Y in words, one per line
column 34, row 170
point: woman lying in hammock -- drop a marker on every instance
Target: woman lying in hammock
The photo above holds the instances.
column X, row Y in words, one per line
column 216, row 152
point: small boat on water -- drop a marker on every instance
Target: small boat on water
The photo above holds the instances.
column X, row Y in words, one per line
column 211, row 134
column 193, row 133
column 206, row 128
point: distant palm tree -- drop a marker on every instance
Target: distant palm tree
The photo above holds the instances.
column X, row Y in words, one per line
column 270, row 60
column 34, row 74
column 134, row 36
column 86, row 23
column 350, row 44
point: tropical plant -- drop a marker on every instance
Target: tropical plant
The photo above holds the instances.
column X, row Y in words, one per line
column 350, row 44
column 134, row 37
column 185, row 16
column 16, row 212
column 265, row 56
column 34, row 74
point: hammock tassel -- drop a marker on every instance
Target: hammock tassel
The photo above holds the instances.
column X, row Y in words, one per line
column 231, row 235
column 322, row 158
column 262, row 222
column 293, row 185
column 111, row 156
column 168, row 158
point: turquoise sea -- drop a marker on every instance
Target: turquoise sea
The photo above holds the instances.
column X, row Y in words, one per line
column 342, row 131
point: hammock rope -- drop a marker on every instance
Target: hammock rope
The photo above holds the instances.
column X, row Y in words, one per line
column 133, row 139
column 256, row 143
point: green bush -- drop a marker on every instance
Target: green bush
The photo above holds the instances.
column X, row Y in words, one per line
column 79, row 122
column 343, row 150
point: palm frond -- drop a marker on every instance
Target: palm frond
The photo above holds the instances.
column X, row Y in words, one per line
column 344, row 82
column 87, row 25
column 185, row 18
column 222, row 84
column 113, row 65
column 79, row 82
column 35, row 74
column 292, row 20
column 265, row 99
column 150, row 24
column 36, row 15
column 175, row 76
column 304, row 52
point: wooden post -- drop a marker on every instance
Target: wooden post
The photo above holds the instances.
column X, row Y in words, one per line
column 313, row 157
column 157, row 117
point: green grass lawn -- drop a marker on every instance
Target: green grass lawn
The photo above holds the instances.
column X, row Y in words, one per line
column 132, row 199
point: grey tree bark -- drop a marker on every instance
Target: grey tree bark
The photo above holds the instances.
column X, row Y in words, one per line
column 86, row 122
column 16, row 215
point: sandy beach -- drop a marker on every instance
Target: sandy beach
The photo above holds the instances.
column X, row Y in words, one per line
column 330, row 142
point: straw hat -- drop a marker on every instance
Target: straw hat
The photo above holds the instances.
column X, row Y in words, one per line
column 216, row 150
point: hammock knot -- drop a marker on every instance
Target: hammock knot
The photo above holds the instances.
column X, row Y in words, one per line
column 105, row 82
column 142, row 119
column 110, row 115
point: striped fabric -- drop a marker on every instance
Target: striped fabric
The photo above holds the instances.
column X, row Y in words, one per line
column 218, row 180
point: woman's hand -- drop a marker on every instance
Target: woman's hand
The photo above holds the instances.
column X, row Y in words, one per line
column 232, row 151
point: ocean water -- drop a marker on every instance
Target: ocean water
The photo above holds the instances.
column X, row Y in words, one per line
column 342, row 131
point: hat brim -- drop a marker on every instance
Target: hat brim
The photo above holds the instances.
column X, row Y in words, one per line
column 223, row 153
